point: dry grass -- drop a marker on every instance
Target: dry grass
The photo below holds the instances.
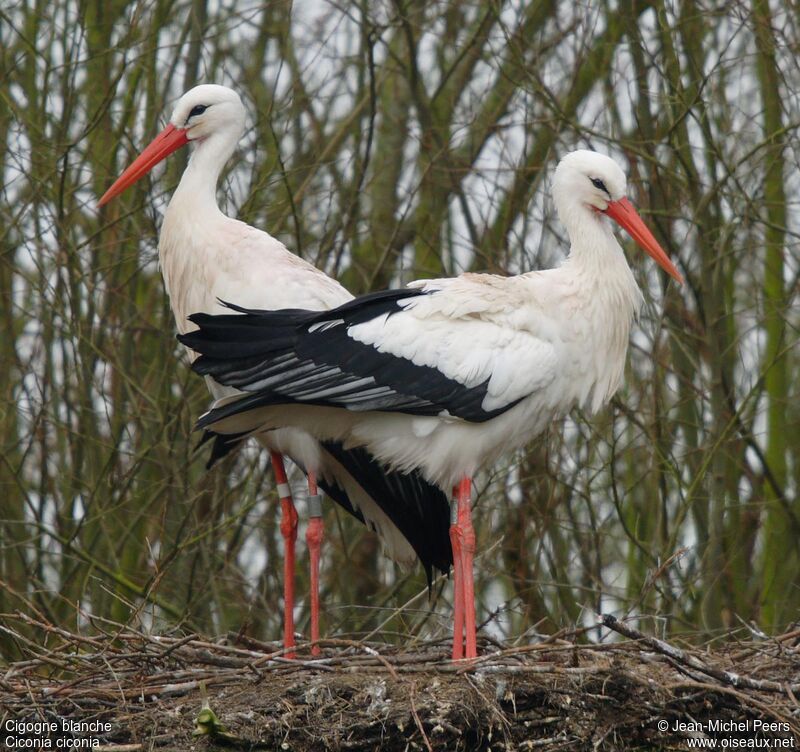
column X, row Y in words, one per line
column 177, row 692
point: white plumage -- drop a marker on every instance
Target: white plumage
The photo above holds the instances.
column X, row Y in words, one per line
column 540, row 342
column 206, row 257
column 486, row 361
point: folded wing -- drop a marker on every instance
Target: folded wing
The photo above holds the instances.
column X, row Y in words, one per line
column 395, row 351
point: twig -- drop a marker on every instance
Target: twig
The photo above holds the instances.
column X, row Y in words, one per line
column 687, row 659
column 743, row 699
column 416, row 717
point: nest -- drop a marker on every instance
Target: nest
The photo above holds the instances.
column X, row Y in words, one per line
column 126, row 691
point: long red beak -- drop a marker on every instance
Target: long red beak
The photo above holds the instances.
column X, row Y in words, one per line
column 166, row 142
column 626, row 216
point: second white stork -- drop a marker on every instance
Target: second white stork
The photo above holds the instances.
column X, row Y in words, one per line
column 449, row 374
column 206, row 256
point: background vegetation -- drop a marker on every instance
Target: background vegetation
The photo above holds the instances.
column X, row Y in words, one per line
column 387, row 141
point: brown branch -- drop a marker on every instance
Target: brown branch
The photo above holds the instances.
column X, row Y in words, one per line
column 687, row 659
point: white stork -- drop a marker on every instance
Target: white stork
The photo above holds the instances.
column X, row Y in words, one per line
column 206, row 257
column 449, row 374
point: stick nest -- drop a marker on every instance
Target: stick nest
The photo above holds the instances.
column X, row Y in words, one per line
column 167, row 692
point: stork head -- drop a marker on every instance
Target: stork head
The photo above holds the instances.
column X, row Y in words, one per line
column 585, row 180
column 589, row 178
column 208, row 109
column 203, row 112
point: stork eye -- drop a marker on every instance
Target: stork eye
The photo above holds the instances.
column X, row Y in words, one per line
column 600, row 185
column 198, row 109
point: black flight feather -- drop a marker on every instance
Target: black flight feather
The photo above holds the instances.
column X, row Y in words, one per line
column 222, row 446
column 419, row 510
column 294, row 356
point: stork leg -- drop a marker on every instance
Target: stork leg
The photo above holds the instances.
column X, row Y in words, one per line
column 289, row 533
column 463, row 535
column 314, row 537
column 458, row 591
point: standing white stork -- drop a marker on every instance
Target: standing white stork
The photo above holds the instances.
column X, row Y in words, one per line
column 206, row 257
column 451, row 373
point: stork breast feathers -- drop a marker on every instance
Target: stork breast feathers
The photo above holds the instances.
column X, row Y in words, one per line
column 255, row 270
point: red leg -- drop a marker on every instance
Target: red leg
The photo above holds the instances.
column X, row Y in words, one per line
column 466, row 544
column 314, row 537
column 289, row 533
column 458, row 583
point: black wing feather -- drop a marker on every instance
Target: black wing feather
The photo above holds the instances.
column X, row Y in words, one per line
column 222, row 446
column 294, row 356
column 419, row 510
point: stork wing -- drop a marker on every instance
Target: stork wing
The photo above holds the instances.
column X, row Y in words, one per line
column 419, row 511
column 417, row 351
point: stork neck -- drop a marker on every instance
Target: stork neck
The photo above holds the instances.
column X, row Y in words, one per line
column 597, row 266
column 198, row 185
column 593, row 246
